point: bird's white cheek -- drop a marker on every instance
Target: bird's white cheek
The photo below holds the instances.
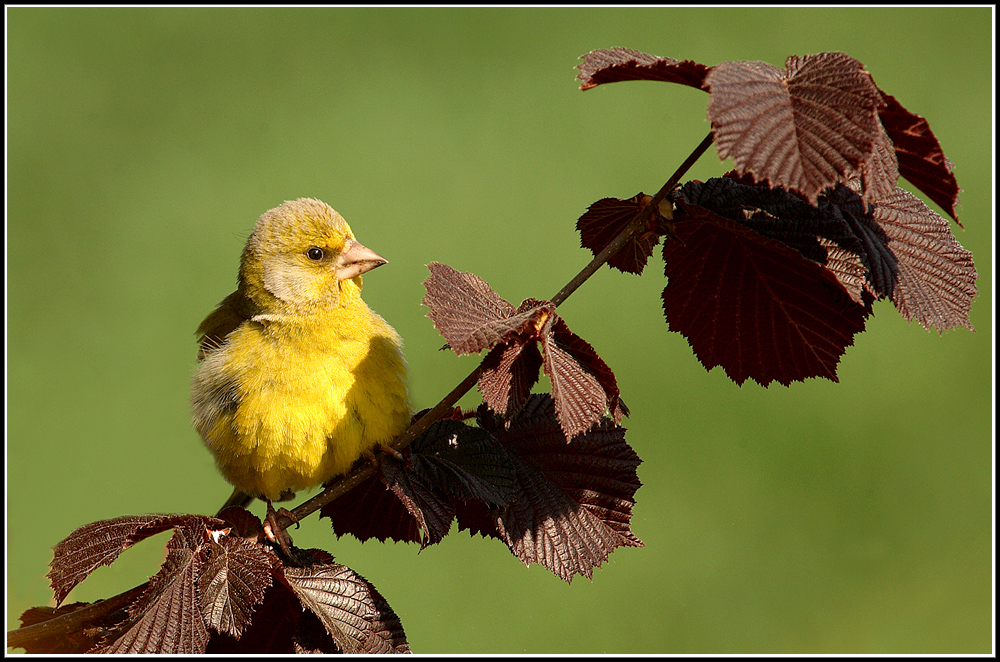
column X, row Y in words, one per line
column 285, row 281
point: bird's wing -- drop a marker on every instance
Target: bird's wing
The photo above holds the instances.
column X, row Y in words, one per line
column 233, row 311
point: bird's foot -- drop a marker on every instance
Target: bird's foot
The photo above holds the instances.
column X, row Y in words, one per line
column 393, row 452
column 278, row 534
column 375, row 460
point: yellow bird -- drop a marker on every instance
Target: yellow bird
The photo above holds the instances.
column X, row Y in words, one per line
column 298, row 378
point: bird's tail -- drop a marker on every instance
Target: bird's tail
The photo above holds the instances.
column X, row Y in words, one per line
column 238, row 498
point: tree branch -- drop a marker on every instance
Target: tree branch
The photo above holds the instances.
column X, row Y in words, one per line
column 66, row 623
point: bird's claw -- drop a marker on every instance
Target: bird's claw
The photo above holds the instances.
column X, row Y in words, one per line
column 393, row 452
column 278, row 535
column 375, row 461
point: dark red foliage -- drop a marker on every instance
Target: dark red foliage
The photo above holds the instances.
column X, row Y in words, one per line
column 216, row 591
column 563, row 505
column 510, row 370
column 753, row 305
column 450, row 462
column 274, row 628
column 472, row 317
column 921, row 159
column 835, row 233
column 803, row 128
column 570, row 359
column 607, row 217
column 373, row 510
column 336, row 598
column 100, row 543
column 168, row 617
column 227, row 605
column 574, row 501
column 619, row 64
column 897, row 248
column 464, row 462
column 431, row 510
column 752, row 278
column 881, row 172
column 353, row 614
column 935, row 280
column 820, row 121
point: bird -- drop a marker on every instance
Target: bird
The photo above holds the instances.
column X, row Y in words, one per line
column 297, row 377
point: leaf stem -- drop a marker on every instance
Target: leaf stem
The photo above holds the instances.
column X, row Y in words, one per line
column 362, row 471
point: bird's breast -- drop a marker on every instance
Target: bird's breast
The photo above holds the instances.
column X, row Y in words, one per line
column 288, row 406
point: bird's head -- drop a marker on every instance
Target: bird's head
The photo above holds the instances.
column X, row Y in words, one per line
column 303, row 255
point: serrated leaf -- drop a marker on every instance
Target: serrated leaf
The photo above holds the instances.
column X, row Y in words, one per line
column 232, row 582
column 874, row 250
column 576, row 498
column 466, row 310
column 935, row 276
column 167, row 619
column 921, row 160
column 477, row 518
column 430, row 508
column 372, row 510
column 311, row 638
column 881, row 172
column 611, row 65
column 349, row 607
column 579, row 399
column 338, row 597
column 805, row 128
column 586, row 357
column 273, row 627
column 605, row 219
column 509, row 372
column 464, row 461
column 827, row 234
column 386, row 635
column 99, row 543
column 582, row 384
column 448, row 463
column 848, row 269
column 752, row 305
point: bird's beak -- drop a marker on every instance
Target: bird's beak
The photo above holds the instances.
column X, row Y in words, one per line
column 356, row 260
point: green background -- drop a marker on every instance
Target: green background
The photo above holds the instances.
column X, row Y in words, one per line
column 144, row 143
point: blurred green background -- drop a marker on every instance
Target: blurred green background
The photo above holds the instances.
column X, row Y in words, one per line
column 144, row 143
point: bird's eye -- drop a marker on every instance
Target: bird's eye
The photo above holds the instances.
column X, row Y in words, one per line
column 315, row 254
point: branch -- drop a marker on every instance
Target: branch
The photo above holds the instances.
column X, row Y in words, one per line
column 74, row 620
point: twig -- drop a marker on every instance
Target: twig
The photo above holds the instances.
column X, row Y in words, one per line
column 66, row 623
